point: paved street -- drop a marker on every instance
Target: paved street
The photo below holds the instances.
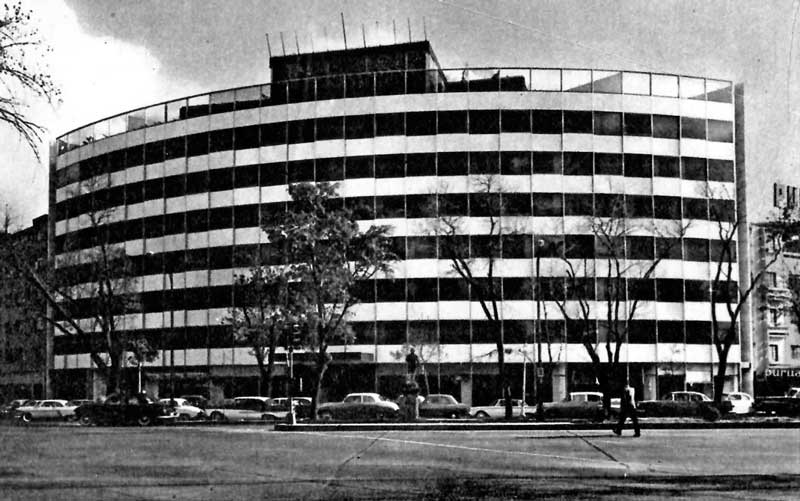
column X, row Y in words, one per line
column 257, row 463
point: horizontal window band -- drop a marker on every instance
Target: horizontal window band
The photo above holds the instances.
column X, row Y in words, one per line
column 409, row 124
column 444, row 332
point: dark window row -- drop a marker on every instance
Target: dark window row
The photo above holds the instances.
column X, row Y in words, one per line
column 398, row 124
column 412, row 206
column 412, row 164
column 434, row 332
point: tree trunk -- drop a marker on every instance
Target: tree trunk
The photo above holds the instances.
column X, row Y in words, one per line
column 270, row 369
column 114, row 374
column 321, row 366
column 723, row 348
column 505, row 383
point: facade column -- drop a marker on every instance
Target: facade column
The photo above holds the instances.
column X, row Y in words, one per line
column 99, row 387
column 650, row 389
column 558, row 380
column 466, row 390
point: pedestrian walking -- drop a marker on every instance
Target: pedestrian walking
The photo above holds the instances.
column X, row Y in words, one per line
column 628, row 410
column 412, row 361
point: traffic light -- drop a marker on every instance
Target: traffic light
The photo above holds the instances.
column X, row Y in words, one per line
column 297, row 336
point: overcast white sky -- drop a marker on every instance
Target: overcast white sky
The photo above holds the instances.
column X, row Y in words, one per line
column 113, row 55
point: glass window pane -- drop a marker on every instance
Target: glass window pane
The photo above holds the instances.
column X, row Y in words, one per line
column 221, row 102
column 694, row 128
column 638, row 165
column 636, row 83
column 547, row 162
column 546, row 80
column 515, row 79
column 455, row 80
column 637, row 124
column 692, row 88
column 176, row 110
column 546, row 122
column 607, row 123
column 608, row 164
column 720, row 170
column 666, row 166
column 483, row 80
column 86, row 135
column 577, row 80
column 390, row 83
column 421, row 123
column 609, row 82
column 548, row 204
column 100, row 129
column 693, row 168
column 452, row 122
column 515, row 163
column 576, row 164
column 248, row 97
column 116, row 125
column 198, row 106
column 389, row 124
column 359, row 85
column 719, row 91
column 665, row 85
column 484, row 121
column 719, row 130
column 136, row 120
column 515, row 120
column 155, row 114
column 578, row 122
column 331, row 87
column 665, row 126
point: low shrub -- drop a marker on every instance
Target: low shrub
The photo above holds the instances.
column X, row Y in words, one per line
column 670, row 408
column 572, row 410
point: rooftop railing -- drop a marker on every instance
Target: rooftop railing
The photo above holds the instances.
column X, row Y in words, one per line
column 355, row 85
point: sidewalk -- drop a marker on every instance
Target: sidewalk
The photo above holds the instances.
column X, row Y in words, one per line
column 645, row 424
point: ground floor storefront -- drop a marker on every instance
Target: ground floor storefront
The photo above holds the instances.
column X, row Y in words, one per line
column 473, row 384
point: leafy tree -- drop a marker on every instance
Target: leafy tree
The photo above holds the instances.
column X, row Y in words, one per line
column 21, row 77
column 479, row 274
column 259, row 318
column 327, row 258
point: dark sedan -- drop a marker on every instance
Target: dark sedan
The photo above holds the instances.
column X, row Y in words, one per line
column 122, row 410
column 442, row 406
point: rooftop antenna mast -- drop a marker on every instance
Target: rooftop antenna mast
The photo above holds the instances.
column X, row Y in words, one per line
column 394, row 31
column 424, row 29
column 296, row 42
column 408, row 21
column 325, row 37
column 344, row 30
column 363, row 35
column 269, row 48
column 283, row 45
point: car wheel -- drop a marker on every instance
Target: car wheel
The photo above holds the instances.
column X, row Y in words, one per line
column 144, row 421
column 217, row 417
column 481, row 415
column 184, row 417
column 325, row 416
column 268, row 417
column 86, row 420
column 27, row 417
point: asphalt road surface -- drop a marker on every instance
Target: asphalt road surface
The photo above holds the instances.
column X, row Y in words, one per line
column 235, row 462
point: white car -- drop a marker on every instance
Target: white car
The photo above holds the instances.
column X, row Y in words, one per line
column 183, row 408
column 497, row 410
column 46, row 409
column 247, row 409
column 742, row 403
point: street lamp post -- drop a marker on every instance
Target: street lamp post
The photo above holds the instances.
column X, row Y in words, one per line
column 172, row 336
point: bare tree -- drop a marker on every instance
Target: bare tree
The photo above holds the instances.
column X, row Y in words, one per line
column 259, row 318
column 92, row 286
column 603, row 313
column 476, row 262
column 728, row 292
column 20, row 47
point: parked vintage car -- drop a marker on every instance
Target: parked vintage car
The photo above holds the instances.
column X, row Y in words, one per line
column 45, row 409
column 359, row 406
column 123, row 410
column 442, row 406
column 741, row 403
column 498, row 409
column 787, row 405
column 183, row 409
column 684, row 404
column 7, row 410
column 302, row 405
column 196, row 400
column 247, row 409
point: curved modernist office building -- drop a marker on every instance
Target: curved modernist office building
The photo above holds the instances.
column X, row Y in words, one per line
column 183, row 186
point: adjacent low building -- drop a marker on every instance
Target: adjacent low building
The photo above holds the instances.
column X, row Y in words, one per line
column 185, row 185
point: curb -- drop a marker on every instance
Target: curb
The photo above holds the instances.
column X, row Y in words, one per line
column 700, row 425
